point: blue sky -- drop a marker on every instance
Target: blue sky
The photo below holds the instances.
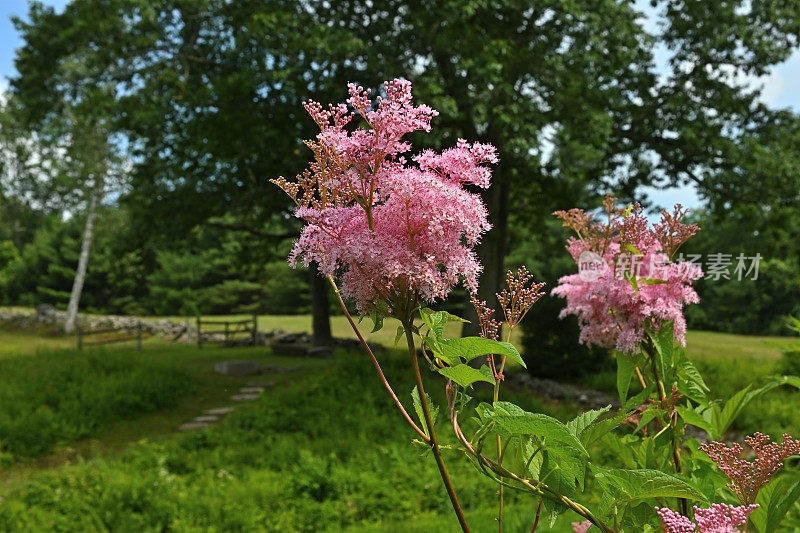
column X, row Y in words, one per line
column 781, row 86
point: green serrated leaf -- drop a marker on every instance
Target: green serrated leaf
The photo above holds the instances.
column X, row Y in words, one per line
column 691, row 383
column 775, row 500
column 400, row 332
column 436, row 321
column 722, row 420
column 652, row 281
column 691, row 416
column 647, row 417
column 377, row 314
column 632, row 249
column 664, row 341
column 633, row 485
column 454, row 318
column 546, row 428
column 468, row 348
column 792, row 381
column 625, row 369
column 584, row 420
column 465, row 375
column 434, row 410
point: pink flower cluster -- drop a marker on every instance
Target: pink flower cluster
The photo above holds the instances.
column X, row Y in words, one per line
column 387, row 228
column 719, row 518
column 581, row 527
column 747, row 477
column 614, row 302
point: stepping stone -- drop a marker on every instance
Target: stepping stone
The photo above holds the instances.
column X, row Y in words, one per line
column 251, row 390
column 262, row 384
column 192, row 426
column 244, row 397
column 237, row 368
column 219, row 411
column 206, row 418
column 320, row 351
column 271, row 369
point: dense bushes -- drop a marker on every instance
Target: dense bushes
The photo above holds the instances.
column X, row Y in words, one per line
column 210, row 271
column 754, row 307
column 61, row 396
column 747, row 306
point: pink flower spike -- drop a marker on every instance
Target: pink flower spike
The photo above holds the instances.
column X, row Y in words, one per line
column 626, row 281
column 387, row 229
column 719, row 518
column 747, row 477
column 581, row 527
column 675, row 522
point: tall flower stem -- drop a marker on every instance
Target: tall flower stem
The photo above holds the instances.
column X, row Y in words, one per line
column 674, row 444
column 495, row 396
column 433, row 442
column 376, row 364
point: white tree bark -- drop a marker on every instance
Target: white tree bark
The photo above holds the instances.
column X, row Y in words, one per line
column 83, row 260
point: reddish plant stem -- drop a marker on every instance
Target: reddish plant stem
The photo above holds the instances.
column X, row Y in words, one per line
column 536, row 521
column 377, row 366
column 683, row 503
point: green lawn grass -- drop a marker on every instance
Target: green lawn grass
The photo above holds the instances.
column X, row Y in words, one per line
column 15, row 342
column 323, row 450
column 701, row 345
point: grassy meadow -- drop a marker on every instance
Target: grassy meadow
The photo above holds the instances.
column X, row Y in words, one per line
column 88, row 440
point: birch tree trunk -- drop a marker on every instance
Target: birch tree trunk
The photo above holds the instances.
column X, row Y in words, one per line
column 83, row 260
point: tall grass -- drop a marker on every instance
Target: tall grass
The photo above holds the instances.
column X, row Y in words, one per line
column 64, row 395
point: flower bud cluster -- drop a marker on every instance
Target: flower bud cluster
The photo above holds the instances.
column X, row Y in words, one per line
column 747, row 477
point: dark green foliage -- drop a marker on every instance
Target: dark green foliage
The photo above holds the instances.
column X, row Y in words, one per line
column 56, row 397
column 749, row 306
column 213, row 271
column 550, row 343
column 45, row 268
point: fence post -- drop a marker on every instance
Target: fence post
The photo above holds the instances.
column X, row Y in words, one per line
column 80, row 339
column 139, row 336
column 227, row 340
column 199, row 333
column 255, row 328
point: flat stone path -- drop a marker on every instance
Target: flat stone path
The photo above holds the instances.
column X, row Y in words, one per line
column 248, row 393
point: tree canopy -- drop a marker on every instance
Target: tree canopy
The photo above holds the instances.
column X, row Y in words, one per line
column 204, row 97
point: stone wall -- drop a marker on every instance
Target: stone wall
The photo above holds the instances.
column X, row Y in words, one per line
column 283, row 343
column 47, row 316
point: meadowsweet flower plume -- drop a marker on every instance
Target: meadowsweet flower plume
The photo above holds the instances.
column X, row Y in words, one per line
column 633, row 283
column 387, row 228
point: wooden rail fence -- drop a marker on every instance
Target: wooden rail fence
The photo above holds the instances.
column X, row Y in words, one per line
column 231, row 331
column 125, row 337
